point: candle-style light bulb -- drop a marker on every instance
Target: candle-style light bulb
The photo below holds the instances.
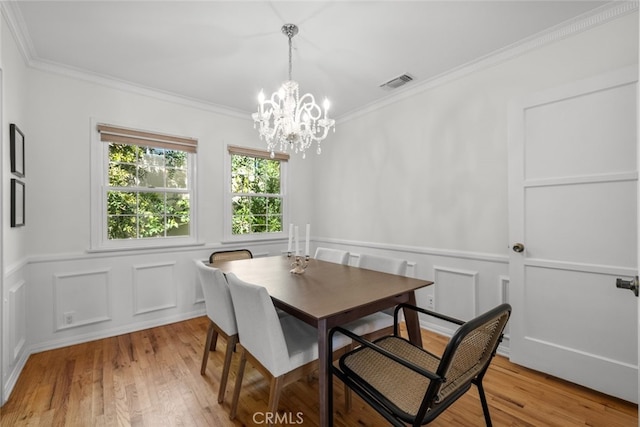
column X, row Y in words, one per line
column 326, row 104
column 261, row 102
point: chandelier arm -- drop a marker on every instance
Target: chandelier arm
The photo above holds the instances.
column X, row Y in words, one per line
column 323, row 136
column 271, row 102
column 312, row 109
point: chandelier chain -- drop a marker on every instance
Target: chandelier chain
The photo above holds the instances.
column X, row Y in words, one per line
column 290, row 61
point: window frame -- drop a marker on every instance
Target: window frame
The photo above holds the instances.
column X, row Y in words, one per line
column 100, row 188
column 230, row 150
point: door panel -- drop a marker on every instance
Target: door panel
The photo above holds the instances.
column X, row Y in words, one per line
column 573, row 204
column 583, row 134
column 586, row 317
column 565, row 222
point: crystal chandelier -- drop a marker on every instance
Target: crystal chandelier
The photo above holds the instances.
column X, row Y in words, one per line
column 287, row 120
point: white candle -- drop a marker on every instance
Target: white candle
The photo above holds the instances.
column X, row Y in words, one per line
column 306, row 247
column 297, row 242
column 290, row 237
column 261, row 102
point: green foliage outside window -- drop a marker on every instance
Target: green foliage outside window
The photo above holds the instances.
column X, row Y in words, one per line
column 257, row 199
column 148, row 193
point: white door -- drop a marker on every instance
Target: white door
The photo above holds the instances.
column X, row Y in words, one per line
column 573, row 209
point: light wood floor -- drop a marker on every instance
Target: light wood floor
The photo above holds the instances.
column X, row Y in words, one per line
column 152, row 378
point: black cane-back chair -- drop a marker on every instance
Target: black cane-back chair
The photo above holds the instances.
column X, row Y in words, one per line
column 407, row 384
column 230, row 255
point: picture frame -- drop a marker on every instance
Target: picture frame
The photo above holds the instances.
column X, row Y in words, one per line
column 17, row 150
column 17, row 203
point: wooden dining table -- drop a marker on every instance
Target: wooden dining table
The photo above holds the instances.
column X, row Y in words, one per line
column 328, row 295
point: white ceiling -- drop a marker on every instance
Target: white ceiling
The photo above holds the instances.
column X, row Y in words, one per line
column 224, row 52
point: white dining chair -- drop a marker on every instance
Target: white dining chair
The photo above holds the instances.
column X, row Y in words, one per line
column 384, row 264
column 378, row 324
column 222, row 319
column 282, row 349
column 389, row 265
column 332, row 255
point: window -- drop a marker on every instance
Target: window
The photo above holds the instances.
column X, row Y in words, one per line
column 256, row 202
column 146, row 188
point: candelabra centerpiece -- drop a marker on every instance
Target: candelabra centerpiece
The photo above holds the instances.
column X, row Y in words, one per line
column 299, row 264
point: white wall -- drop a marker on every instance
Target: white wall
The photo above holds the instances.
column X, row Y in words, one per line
column 62, row 107
column 2, row 157
column 425, row 178
column 14, row 242
column 431, row 170
column 14, row 110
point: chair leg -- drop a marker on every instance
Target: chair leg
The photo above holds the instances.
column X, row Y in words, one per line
column 330, row 393
column 347, row 390
column 214, row 340
column 236, row 391
column 347, row 399
column 274, row 394
column 231, row 345
column 485, row 406
column 210, row 344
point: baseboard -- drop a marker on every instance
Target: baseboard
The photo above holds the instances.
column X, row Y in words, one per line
column 78, row 339
column 12, row 379
column 108, row 333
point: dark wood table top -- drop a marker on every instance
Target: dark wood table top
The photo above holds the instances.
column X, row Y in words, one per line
column 325, row 290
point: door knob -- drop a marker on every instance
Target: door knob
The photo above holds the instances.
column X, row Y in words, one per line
column 632, row 284
column 518, row 247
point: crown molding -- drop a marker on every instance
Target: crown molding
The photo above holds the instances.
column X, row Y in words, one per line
column 126, row 86
column 18, row 28
column 578, row 24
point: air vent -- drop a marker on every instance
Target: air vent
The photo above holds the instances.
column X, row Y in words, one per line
column 397, row 82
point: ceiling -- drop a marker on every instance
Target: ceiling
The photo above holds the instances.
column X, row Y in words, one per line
column 222, row 53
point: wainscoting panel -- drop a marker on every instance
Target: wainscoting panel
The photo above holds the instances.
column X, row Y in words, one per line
column 108, row 294
column 74, row 298
column 503, row 286
column 456, row 292
column 15, row 333
column 81, row 298
column 197, row 288
column 154, row 287
column 17, row 309
column 198, row 293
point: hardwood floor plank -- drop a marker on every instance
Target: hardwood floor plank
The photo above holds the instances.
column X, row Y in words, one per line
column 152, row 378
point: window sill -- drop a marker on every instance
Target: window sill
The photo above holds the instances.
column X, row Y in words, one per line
column 145, row 248
column 247, row 238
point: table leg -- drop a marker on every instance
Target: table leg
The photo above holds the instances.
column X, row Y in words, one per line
column 323, row 373
column 413, row 322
